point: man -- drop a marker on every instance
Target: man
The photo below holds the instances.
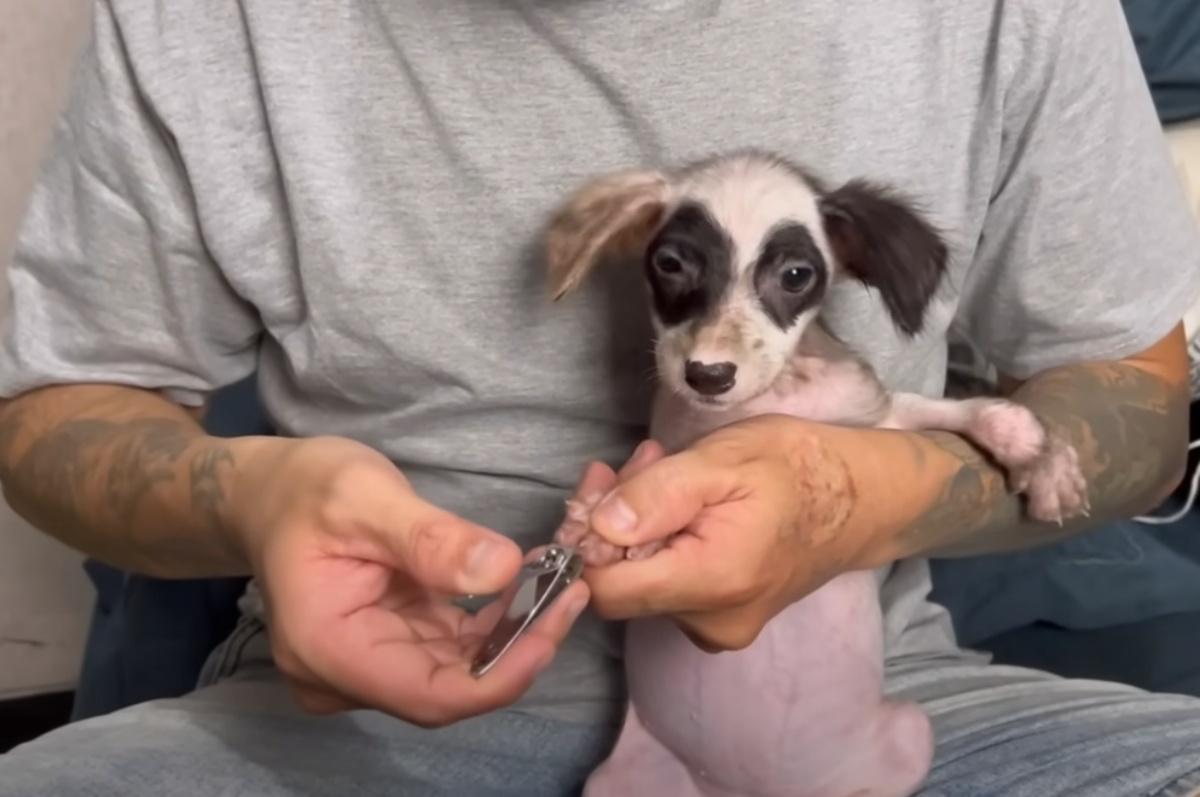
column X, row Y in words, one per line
column 347, row 198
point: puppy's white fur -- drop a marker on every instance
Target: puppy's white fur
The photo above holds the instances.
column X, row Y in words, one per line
column 747, row 195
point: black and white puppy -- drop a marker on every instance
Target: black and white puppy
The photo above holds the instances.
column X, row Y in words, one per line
column 740, row 252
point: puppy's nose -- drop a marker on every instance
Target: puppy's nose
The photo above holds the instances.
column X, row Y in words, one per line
column 709, row 379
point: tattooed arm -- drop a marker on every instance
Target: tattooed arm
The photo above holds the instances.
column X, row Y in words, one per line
column 1127, row 419
column 123, row 475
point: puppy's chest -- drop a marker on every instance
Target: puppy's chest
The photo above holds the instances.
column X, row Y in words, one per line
column 842, row 392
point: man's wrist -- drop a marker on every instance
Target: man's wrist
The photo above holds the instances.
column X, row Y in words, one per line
column 908, row 493
column 914, row 485
column 971, row 495
column 234, row 474
column 866, row 489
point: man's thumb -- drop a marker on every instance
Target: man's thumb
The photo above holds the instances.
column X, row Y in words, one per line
column 658, row 501
column 447, row 553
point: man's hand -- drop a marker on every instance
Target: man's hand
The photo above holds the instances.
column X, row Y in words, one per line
column 357, row 572
column 758, row 518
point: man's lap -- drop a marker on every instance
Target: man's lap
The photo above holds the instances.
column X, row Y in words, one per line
column 1002, row 732
column 244, row 737
column 1013, row 732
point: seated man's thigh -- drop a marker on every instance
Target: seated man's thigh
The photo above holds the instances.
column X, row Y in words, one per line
column 244, row 736
column 1010, row 732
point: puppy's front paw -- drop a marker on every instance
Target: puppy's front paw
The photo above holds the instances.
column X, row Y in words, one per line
column 574, row 527
column 1053, row 483
column 574, row 532
column 1040, row 465
column 1011, row 433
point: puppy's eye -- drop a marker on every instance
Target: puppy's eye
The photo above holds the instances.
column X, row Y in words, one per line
column 797, row 277
column 666, row 261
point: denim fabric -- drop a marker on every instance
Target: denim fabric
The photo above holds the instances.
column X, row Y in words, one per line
column 1123, row 572
column 149, row 637
column 1167, row 36
column 1161, row 654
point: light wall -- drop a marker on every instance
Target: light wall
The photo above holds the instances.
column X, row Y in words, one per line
column 45, row 599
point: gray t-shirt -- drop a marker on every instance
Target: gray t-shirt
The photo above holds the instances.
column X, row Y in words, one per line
column 347, row 197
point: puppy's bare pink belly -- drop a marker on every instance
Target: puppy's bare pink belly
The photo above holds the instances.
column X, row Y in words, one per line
column 798, row 713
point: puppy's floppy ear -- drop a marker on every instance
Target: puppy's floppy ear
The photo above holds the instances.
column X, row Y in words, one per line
column 610, row 216
column 883, row 242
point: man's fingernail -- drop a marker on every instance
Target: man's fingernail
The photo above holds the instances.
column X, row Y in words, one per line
column 640, row 451
column 616, row 514
column 479, row 558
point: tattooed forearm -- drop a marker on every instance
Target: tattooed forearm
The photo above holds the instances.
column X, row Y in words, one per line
column 207, row 470
column 57, row 472
column 124, row 476
column 1129, row 427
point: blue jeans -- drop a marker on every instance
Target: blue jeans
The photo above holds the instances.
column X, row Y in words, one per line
column 1001, row 731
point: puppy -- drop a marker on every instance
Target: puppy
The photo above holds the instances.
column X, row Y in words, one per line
column 739, row 253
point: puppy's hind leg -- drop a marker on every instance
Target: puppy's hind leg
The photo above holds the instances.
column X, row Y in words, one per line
column 1038, row 463
column 641, row 765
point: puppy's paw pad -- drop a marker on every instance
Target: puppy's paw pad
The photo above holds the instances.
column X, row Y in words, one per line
column 1054, row 484
column 1011, row 433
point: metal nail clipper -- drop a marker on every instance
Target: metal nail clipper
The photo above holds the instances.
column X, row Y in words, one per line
column 541, row 582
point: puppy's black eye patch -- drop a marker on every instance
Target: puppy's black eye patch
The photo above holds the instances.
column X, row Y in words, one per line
column 689, row 264
column 790, row 274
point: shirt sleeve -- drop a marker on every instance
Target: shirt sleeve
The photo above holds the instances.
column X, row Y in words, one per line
column 111, row 281
column 1088, row 248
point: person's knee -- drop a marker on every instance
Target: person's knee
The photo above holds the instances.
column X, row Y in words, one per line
column 126, row 753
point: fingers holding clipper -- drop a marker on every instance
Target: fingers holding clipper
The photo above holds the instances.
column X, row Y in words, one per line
column 555, row 623
column 450, row 691
column 534, row 650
